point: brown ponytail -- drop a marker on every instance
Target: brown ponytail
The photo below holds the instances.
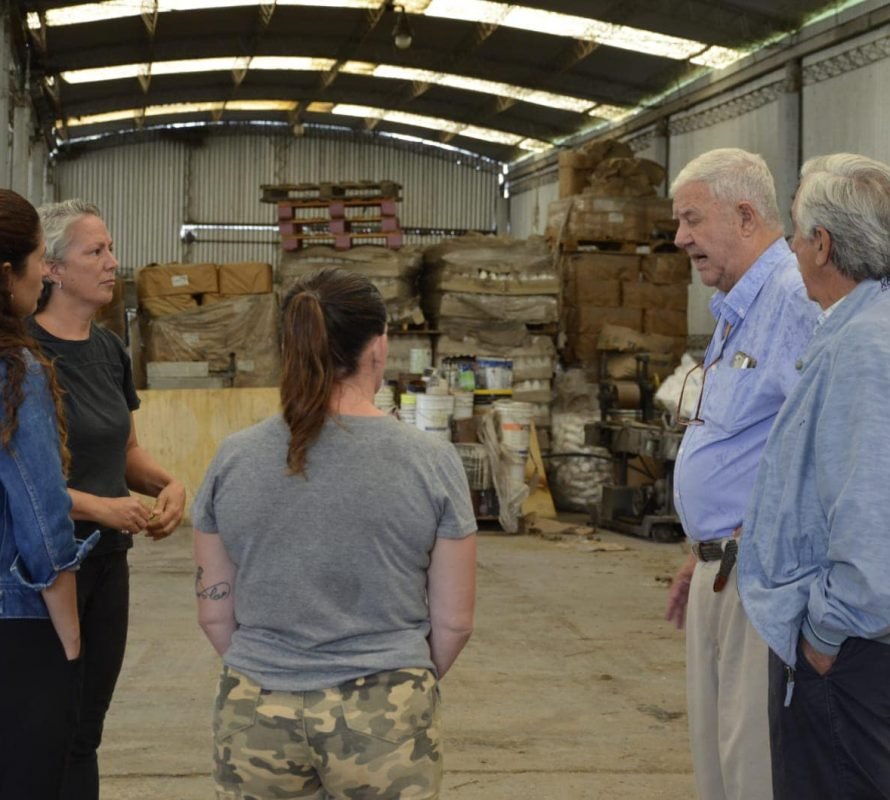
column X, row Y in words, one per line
column 328, row 318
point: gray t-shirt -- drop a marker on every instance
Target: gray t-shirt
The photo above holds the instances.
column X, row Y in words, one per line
column 332, row 570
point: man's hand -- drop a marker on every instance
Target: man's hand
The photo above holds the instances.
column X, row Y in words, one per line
column 818, row 661
column 678, row 596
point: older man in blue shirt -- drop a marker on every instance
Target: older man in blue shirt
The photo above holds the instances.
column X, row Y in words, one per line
column 729, row 224
column 814, row 573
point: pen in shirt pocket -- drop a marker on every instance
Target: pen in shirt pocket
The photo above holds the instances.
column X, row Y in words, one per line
column 742, row 360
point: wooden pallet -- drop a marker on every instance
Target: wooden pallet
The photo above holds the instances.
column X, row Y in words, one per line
column 328, row 190
column 341, row 241
column 320, row 226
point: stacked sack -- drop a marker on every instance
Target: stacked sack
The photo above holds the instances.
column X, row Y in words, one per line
column 225, row 315
column 475, row 280
column 395, row 273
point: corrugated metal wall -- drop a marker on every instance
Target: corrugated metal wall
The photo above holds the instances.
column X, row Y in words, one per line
column 528, row 210
column 845, row 93
column 148, row 191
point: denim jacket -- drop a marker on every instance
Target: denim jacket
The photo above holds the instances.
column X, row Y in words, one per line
column 36, row 532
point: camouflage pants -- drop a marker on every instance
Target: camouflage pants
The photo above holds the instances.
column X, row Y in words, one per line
column 373, row 738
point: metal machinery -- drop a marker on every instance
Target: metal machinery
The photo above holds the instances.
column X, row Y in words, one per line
column 629, row 430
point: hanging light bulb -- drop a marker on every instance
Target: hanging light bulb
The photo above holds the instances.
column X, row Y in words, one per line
column 402, row 35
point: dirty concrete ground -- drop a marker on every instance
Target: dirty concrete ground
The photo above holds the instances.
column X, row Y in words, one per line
column 572, row 687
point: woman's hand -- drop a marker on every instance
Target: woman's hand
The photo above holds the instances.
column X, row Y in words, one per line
column 127, row 514
column 168, row 511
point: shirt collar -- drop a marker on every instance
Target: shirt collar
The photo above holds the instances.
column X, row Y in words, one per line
column 828, row 311
column 732, row 306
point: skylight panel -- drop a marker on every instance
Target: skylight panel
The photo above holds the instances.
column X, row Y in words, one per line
column 121, row 72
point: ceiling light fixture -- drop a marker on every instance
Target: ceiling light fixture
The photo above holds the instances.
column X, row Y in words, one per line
column 402, row 35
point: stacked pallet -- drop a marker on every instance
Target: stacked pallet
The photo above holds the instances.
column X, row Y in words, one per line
column 644, row 294
column 497, row 298
column 616, row 259
column 224, row 316
column 343, row 215
column 395, row 273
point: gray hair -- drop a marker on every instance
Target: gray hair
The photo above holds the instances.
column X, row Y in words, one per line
column 849, row 196
column 56, row 219
column 734, row 176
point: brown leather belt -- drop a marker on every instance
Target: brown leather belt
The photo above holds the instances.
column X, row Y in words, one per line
column 709, row 551
column 722, row 550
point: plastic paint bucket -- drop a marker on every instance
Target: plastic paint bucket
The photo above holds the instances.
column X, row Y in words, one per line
column 515, row 423
column 408, row 408
column 463, row 405
column 434, row 413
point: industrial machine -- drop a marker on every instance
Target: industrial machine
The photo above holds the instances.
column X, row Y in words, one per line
column 638, row 441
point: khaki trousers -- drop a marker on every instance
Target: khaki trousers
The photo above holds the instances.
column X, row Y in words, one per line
column 727, row 684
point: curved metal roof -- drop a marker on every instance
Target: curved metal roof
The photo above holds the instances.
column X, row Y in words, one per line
column 496, row 79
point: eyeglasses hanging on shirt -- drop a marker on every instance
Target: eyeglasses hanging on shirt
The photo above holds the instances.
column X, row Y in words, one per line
column 740, row 360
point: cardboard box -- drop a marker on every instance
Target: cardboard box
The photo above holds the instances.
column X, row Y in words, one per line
column 601, row 266
column 590, row 319
column 665, row 322
column 166, row 280
column 163, row 306
column 663, row 268
column 627, row 340
column 246, row 277
column 587, row 217
column 605, row 294
column 649, row 295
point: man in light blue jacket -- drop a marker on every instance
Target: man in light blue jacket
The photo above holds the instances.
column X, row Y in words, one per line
column 814, row 570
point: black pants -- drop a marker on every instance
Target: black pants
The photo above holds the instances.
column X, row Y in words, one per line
column 37, row 709
column 833, row 741
column 103, row 599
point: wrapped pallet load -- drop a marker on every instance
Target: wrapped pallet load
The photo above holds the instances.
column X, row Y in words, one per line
column 395, row 273
column 479, row 279
column 170, row 288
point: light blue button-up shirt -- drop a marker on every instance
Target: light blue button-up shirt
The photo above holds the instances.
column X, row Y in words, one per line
column 815, row 554
column 768, row 317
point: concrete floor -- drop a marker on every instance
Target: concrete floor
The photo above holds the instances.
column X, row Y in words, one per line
column 571, row 689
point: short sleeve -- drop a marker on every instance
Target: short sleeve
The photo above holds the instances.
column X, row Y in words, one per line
column 203, row 512
column 456, row 517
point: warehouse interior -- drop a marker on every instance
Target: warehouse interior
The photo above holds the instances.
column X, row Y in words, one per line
column 501, row 172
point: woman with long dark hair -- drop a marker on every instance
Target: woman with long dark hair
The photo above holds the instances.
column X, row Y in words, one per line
column 39, row 630
column 335, row 571
column 107, row 461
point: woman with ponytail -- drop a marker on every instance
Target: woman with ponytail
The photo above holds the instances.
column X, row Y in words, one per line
column 39, row 629
column 335, row 556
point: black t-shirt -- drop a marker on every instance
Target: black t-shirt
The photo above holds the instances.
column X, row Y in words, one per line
column 97, row 380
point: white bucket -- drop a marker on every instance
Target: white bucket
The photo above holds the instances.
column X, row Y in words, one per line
column 419, row 358
column 463, row 405
column 495, row 373
column 515, row 423
column 408, row 408
column 434, row 414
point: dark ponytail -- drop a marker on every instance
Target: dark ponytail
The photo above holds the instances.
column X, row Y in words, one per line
column 328, row 318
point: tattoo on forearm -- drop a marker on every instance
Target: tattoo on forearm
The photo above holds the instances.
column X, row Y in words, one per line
column 218, row 591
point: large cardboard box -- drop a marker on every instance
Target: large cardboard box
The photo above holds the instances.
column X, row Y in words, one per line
column 590, row 319
column 664, row 268
column 165, row 280
column 162, row 306
column 649, row 295
column 665, row 321
column 602, row 266
column 246, row 326
column 587, row 217
column 246, row 277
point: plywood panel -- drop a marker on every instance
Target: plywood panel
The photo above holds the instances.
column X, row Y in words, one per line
column 182, row 428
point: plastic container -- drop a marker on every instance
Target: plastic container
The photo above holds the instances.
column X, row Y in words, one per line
column 463, row 405
column 515, row 420
column 434, row 412
column 494, row 373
